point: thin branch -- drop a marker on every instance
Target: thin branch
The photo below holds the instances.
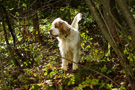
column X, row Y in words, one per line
column 107, row 27
column 32, row 3
column 42, row 8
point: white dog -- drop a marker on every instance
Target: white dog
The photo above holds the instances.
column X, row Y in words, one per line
column 69, row 40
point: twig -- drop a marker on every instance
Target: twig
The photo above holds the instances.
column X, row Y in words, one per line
column 32, row 3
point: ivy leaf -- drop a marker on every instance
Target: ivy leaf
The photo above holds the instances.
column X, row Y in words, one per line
column 24, row 5
column 108, row 71
column 102, row 84
column 94, row 81
column 109, row 86
column 104, row 69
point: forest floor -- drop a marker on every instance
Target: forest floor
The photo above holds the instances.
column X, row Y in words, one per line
column 46, row 73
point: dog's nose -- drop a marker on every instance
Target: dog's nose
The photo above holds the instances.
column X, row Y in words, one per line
column 50, row 31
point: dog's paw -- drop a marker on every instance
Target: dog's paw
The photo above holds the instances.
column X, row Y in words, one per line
column 75, row 67
column 65, row 68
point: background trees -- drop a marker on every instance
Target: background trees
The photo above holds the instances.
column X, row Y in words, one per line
column 29, row 56
column 107, row 25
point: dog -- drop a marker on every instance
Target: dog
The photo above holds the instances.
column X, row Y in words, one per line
column 69, row 40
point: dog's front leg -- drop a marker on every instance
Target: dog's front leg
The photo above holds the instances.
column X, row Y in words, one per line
column 75, row 59
column 64, row 62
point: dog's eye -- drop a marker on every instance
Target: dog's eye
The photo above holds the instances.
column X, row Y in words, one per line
column 56, row 26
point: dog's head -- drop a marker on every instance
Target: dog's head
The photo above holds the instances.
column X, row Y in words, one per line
column 59, row 28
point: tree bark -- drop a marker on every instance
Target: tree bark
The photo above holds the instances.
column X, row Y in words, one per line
column 100, row 23
column 109, row 22
column 36, row 26
column 35, row 22
column 128, row 16
column 124, row 61
column 5, row 32
column 8, row 23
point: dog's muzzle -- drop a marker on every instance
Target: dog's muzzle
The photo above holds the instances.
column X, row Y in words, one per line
column 51, row 33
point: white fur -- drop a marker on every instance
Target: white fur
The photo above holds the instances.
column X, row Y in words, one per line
column 69, row 46
column 77, row 18
column 55, row 31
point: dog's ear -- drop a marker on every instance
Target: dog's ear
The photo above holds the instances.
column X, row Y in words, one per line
column 64, row 28
column 57, row 25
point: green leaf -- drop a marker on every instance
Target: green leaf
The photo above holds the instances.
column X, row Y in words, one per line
column 24, row 5
column 17, row 13
column 122, row 88
column 95, row 81
column 102, row 84
column 108, row 71
column 109, row 86
column 91, row 38
column 129, row 37
column 104, row 69
column 62, row 9
column 35, row 87
column 26, row 86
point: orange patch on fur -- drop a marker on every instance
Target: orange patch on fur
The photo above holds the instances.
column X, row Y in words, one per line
column 63, row 28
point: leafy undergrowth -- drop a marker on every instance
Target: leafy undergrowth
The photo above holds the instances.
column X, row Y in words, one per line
column 49, row 76
column 46, row 73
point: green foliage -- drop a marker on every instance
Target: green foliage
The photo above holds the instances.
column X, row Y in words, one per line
column 122, row 88
column 105, row 70
column 35, row 86
column 102, row 84
column 87, row 46
column 109, row 86
column 88, row 83
column 24, row 5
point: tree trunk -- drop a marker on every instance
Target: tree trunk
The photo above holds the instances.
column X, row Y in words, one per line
column 4, row 28
column 124, row 61
column 36, row 26
column 3, row 11
column 100, row 23
column 108, row 20
column 128, row 16
column 35, row 22
column 110, row 24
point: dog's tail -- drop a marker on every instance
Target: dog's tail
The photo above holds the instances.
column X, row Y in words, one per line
column 77, row 18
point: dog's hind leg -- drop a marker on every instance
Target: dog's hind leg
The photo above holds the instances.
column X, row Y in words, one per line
column 75, row 59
